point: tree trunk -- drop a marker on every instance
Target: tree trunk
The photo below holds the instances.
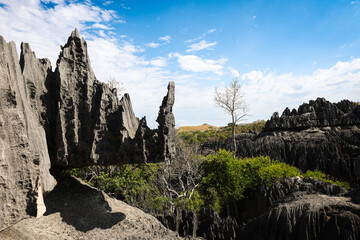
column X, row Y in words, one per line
column 233, row 134
column 195, row 223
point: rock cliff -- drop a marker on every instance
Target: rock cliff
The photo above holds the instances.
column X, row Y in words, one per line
column 24, row 158
column 50, row 121
column 320, row 135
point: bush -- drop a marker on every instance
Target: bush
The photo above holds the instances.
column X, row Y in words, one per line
column 226, row 179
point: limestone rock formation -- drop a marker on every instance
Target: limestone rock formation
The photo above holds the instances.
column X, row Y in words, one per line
column 88, row 124
column 65, row 119
column 166, row 122
column 307, row 143
column 303, row 210
column 77, row 211
column 318, row 113
column 24, row 158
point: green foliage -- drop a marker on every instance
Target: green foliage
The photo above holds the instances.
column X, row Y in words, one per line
column 326, row 178
column 135, row 184
column 195, row 137
column 227, row 179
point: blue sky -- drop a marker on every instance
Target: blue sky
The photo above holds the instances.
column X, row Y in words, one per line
column 284, row 52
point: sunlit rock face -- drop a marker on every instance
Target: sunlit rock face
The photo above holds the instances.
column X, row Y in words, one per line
column 24, row 158
column 65, row 119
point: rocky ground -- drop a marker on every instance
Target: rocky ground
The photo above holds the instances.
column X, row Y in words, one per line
column 77, row 211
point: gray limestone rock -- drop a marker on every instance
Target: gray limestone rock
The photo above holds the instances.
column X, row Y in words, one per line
column 24, row 159
column 294, row 209
column 166, row 122
column 92, row 126
column 77, row 211
column 65, row 119
column 318, row 113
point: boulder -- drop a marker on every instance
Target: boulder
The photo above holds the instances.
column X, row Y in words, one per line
column 77, row 211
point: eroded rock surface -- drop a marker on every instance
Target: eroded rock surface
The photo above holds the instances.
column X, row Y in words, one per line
column 65, row 119
column 24, row 158
column 92, row 126
column 303, row 210
column 318, row 113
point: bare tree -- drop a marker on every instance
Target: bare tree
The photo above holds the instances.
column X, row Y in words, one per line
column 179, row 179
column 233, row 103
column 113, row 83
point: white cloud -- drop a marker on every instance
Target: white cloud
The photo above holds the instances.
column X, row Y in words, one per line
column 201, row 46
column 153, row 45
column 159, row 62
column 101, row 26
column 201, row 36
column 48, row 28
column 267, row 92
column 194, row 63
column 235, row 73
column 166, row 38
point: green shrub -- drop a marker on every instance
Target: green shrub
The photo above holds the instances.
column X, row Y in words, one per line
column 226, row 179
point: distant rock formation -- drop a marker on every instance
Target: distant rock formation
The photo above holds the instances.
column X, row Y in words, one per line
column 320, row 135
column 318, row 113
column 65, row 119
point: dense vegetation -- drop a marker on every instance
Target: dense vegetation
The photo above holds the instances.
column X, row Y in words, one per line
column 216, row 180
column 195, row 137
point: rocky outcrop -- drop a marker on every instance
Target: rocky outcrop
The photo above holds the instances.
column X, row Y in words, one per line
column 303, row 210
column 24, row 158
column 92, row 126
column 65, row 119
column 333, row 149
column 77, row 211
column 318, row 113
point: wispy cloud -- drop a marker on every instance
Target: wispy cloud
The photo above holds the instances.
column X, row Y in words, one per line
column 201, row 46
column 235, row 73
column 194, row 63
column 201, row 36
column 153, row 45
column 165, row 40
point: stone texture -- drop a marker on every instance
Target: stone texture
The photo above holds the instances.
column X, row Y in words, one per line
column 318, row 113
column 166, row 122
column 66, row 118
column 24, row 159
column 77, row 211
column 92, row 126
column 300, row 210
